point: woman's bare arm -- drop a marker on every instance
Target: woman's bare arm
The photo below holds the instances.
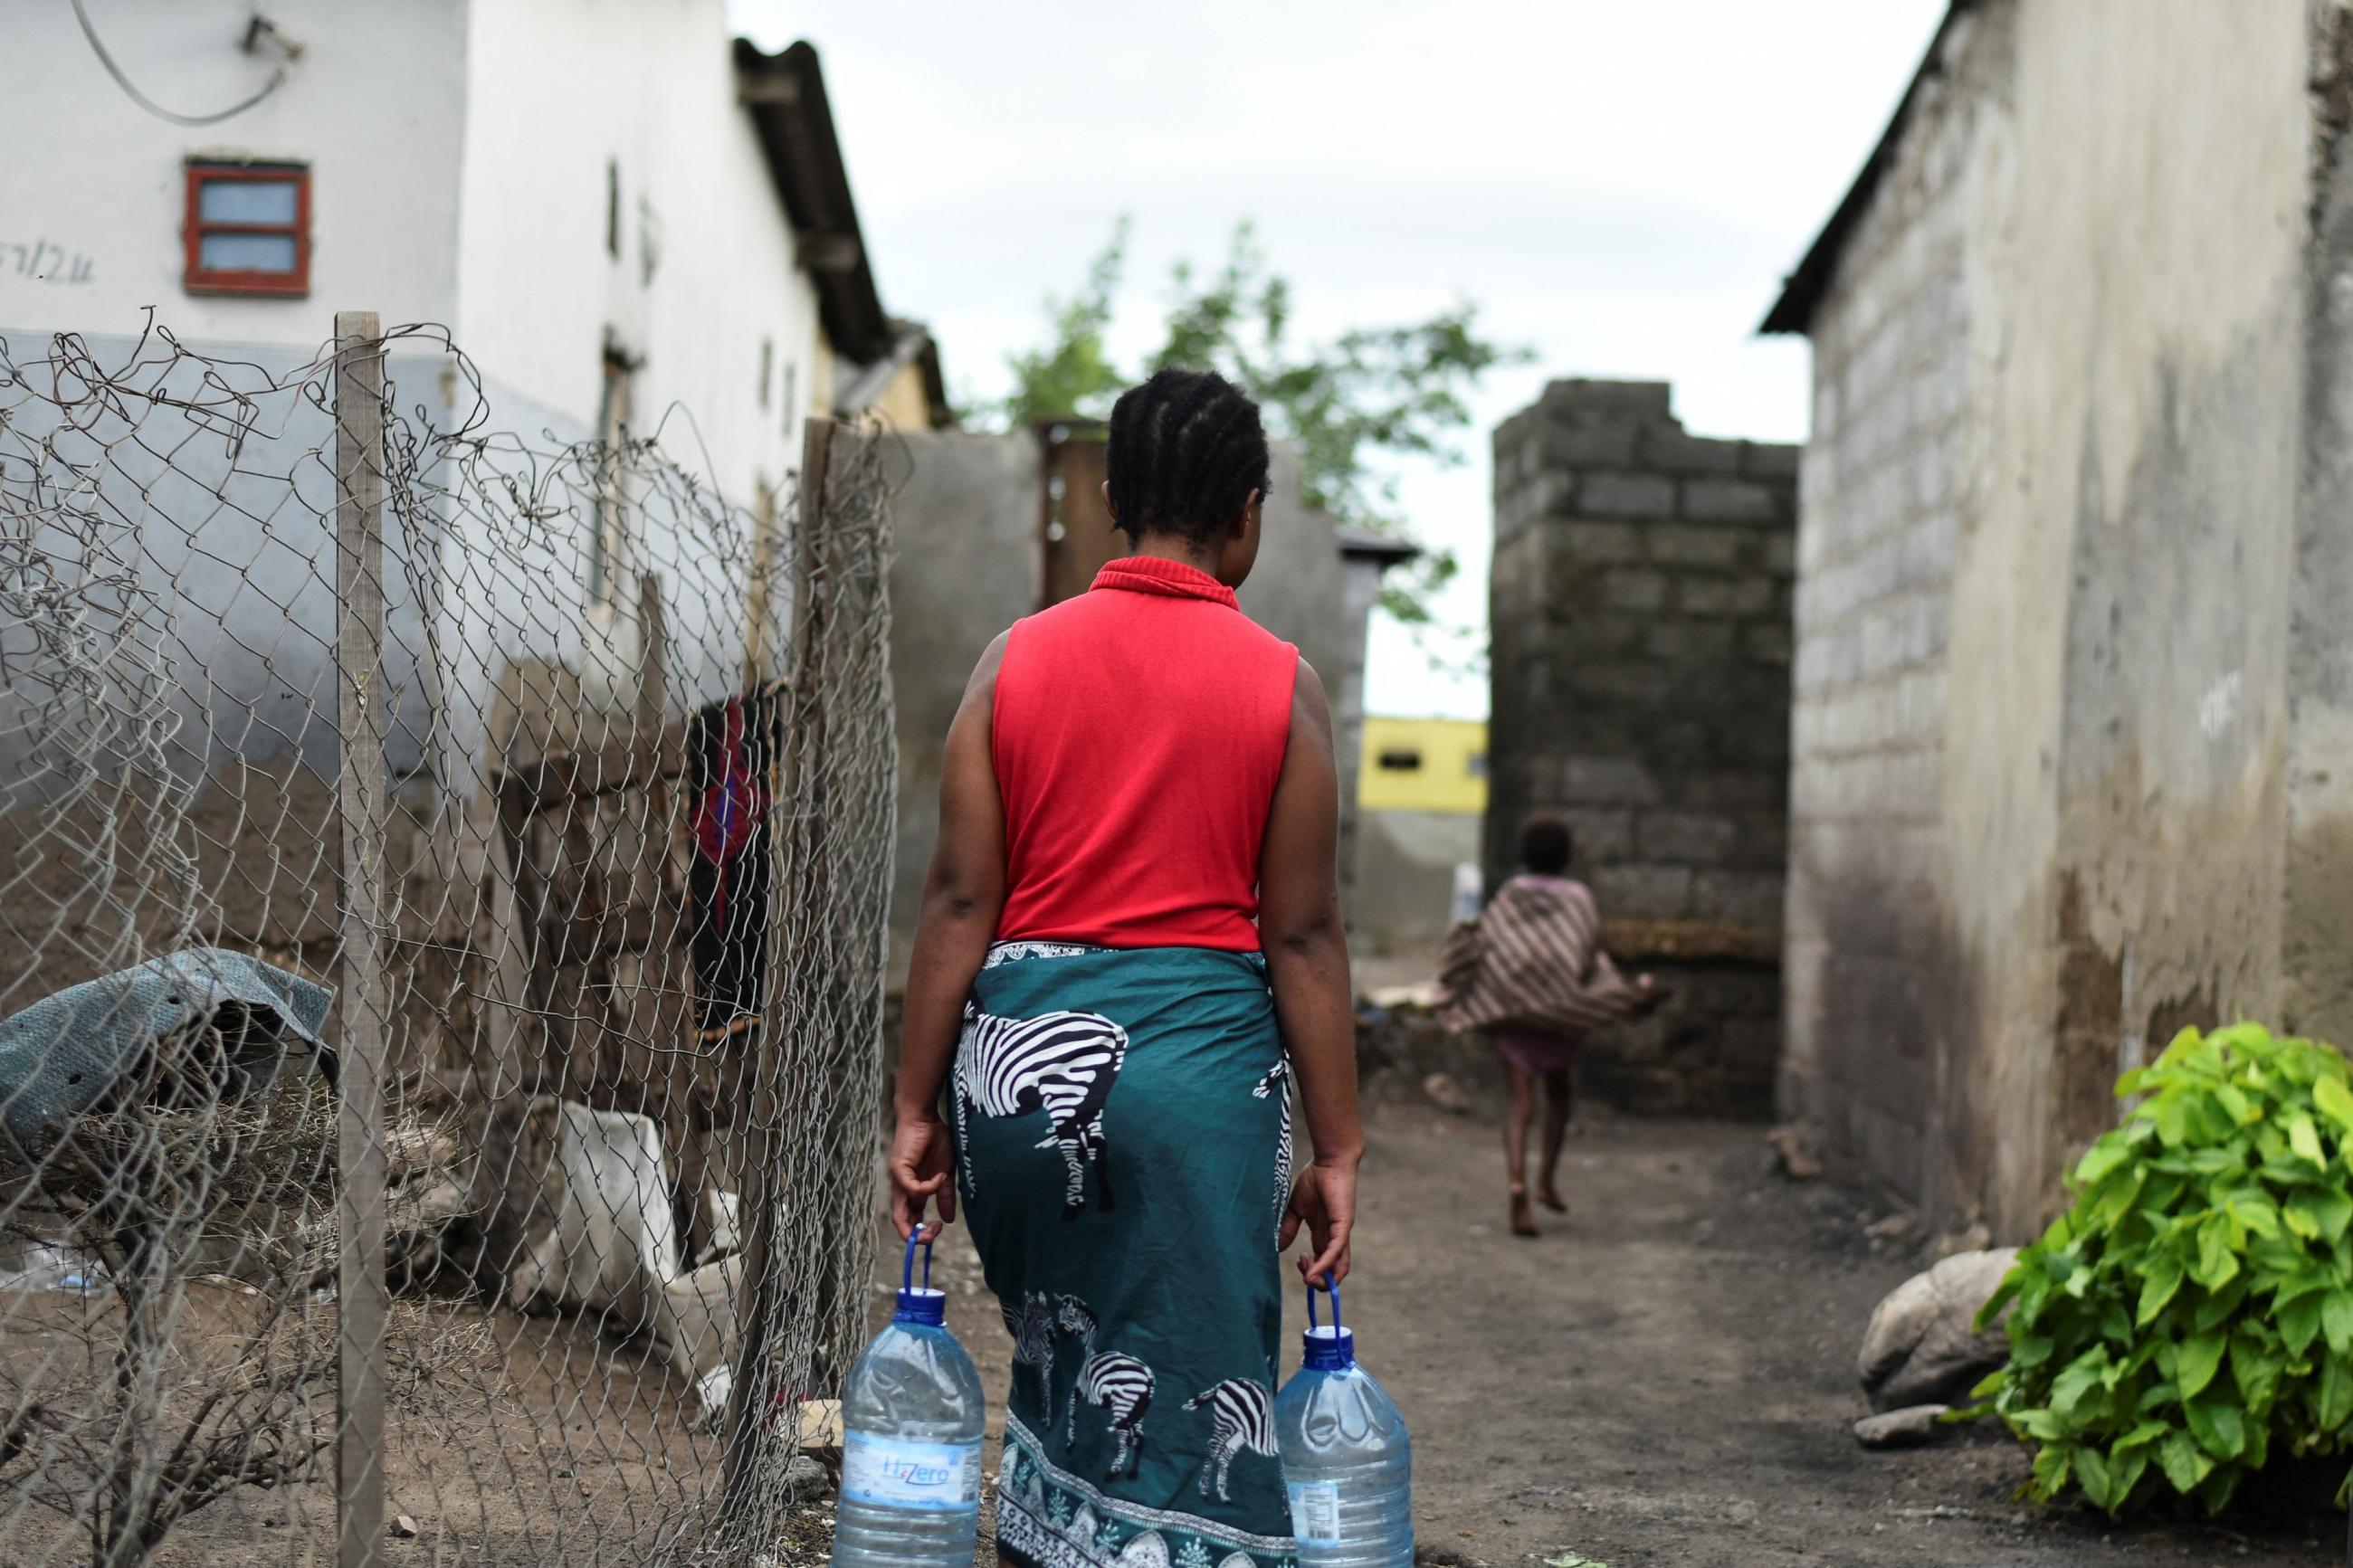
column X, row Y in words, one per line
column 1308, row 965
column 964, row 893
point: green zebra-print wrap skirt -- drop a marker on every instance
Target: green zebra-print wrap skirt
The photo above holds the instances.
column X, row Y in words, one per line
column 1123, row 1124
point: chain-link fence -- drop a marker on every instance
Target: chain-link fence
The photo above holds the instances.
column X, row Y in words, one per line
column 443, row 871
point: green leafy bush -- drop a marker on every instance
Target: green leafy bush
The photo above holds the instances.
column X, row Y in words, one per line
column 2190, row 1318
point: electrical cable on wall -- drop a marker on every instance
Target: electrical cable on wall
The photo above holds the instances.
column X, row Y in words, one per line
column 253, row 37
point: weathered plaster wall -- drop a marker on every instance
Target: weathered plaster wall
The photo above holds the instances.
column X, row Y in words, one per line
column 2042, row 736
column 376, row 106
column 705, row 288
column 1640, row 620
column 2316, row 962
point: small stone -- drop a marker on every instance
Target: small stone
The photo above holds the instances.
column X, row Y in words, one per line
column 1443, row 1092
column 403, row 1528
column 1898, row 1227
column 1797, row 1160
column 1904, row 1429
column 805, row 1477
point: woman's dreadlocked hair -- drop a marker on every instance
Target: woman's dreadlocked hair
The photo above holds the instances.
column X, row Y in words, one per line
column 1186, row 449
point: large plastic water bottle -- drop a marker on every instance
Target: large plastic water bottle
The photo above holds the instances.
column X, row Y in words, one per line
column 911, row 1418
column 1347, row 1459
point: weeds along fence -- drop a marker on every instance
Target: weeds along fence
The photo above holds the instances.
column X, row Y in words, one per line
column 443, row 872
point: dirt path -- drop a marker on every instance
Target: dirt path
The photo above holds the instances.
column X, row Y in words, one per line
column 1667, row 1377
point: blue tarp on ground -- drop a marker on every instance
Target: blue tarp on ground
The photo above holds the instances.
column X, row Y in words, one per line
column 66, row 1054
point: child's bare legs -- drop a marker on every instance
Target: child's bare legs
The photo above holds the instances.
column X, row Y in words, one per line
column 1516, row 1122
column 1559, row 1100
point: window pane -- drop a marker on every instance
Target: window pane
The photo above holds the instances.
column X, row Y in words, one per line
column 245, row 201
column 247, row 253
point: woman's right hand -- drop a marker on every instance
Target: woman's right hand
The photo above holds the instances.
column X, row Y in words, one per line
column 922, row 1168
column 1324, row 1200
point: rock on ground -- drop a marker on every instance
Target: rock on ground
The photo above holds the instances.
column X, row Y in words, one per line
column 1913, row 1424
column 1923, row 1346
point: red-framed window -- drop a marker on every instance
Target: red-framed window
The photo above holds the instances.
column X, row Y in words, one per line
column 249, row 228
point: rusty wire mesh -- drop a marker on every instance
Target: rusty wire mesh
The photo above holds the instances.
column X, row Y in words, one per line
column 635, row 845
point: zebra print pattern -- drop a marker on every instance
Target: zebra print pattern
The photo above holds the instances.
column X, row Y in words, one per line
column 1032, row 1328
column 1073, row 1319
column 1122, row 1386
column 1244, row 1416
column 1277, row 1082
column 1062, row 1063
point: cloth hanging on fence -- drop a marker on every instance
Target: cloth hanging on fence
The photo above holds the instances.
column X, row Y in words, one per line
column 229, row 1021
column 730, row 757
column 1122, row 1127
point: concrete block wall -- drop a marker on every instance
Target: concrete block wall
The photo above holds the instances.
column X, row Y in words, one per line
column 1871, row 978
column 1641, row 615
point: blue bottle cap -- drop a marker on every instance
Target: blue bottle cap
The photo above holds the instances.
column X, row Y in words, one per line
column 1327, row 1348
column 920, row 1304
column 926, row 1307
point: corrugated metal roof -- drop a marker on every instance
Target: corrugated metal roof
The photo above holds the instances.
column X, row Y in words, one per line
column 786, row 95
column 1803, row 289
column 1364, row 542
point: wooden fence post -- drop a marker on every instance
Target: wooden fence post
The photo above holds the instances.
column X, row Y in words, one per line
column 758, row 1297
column 363, row 1299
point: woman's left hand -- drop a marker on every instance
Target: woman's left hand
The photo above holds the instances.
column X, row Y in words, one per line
column 1324, row 1200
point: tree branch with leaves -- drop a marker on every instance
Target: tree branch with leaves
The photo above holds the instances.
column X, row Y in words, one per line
column 1351, row 405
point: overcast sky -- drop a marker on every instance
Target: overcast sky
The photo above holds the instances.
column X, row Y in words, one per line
column 1618, row 187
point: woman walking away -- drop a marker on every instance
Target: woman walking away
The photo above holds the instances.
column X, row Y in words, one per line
column 1530, row 973
column 1129, row 941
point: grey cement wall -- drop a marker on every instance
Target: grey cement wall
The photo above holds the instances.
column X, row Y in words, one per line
column 1640, row 611
column 966, row 526
column 1401, row 897
column 2044, row 717
column 969, row 564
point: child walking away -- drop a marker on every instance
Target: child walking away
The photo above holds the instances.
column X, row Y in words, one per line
column 1529, row 972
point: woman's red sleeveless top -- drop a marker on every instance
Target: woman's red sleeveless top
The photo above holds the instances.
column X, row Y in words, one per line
column 1138, row 732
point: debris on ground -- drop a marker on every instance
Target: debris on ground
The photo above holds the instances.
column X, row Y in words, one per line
column 696, row 1330
column 1797, row 1160
column 804, row 1479
column 1904, row 1429
column 1896, row 1229
column 1923, row 1345
column 52, row 1266
column 1421, row 998
column 402, row 1527
column 1971, row 1237
column 612, row 1245
column 723, row 1223
column 817, row 1428
column 1441, row 1090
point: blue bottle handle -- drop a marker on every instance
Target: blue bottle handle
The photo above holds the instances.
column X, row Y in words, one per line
column 1334, row 1289
column 915, row 1241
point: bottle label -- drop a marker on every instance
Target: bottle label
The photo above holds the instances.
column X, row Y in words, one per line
column 1316, row 1512
column 884, row 1470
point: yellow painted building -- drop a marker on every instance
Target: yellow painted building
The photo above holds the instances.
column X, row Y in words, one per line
column 1424, row 764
